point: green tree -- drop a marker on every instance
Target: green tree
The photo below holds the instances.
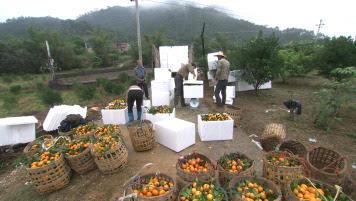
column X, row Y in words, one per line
column 258, row 59
column 103, row 48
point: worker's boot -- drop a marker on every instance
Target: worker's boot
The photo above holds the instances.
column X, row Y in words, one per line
column 182, row 102
column 175, row 100
column 131, row 117
column 139, row 115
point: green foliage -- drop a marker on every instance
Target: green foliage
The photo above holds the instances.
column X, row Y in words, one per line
column 343, row 73
column 48, row 96
column 258, row 59
column 23, row 159
column 103, row 48
column 124, row 77
column 337, row 53
column 15, row 89
column 9, row 101
column 84, row 92
column 7, row 78
column 332, row 97
column 111, row 87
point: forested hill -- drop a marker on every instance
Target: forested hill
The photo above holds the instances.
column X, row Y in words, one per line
column 182, row 24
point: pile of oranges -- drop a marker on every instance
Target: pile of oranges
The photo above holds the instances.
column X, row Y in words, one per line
column 116, row 104
column 201, row 191
column 155, row 187
column 160, row 109
column 105, row 144
column 76, row 147
column 106, row 130
column 308, row 192
column 44, row 159
column 215, row 117
column 84, row 129
column 234, row 162
column 195, row 165
column 252, row 191
column 282, row 159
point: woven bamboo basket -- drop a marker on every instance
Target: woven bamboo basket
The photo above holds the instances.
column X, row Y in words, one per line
column 141, row 134
column 116, row 132
column 235, row 114
column 113, row 160
column 51, row 177
column 261, row 181
column 272, row 136
column 82, row 162
column 290, row 196
column 224, row 198
column 349, row 184
column 225, row 176
column 294, row 147
column 170, row 195
column 282, row 175
column 327, row 165
column 189, row 176
column 29, row 150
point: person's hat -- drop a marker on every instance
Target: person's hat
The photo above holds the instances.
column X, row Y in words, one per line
column 220, row 54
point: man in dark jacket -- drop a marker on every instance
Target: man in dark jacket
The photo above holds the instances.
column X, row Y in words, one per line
column 182, row 73
column 140, row 78
column 221, row 76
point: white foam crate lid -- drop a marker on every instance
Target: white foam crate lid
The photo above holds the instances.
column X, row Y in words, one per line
column 215, row 130
column 244, row 86
column 15, row 130
column 58, row 113
column 176, row 134
column 160, row 117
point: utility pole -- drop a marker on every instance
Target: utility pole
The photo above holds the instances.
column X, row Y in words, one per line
column 50, row 61
column 319, row 27
column 139, row 47
column 203, row 46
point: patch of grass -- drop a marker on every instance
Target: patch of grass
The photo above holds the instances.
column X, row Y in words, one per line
column 111, row 87
column 48, row 96
column 9, row 101
column 123, row 77
column 84, row 92
column 21, row 160
column 15, row 89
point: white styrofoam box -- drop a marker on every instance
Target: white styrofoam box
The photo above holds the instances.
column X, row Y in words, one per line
column 215, row 130
column 193, row 89
column 160, row 85
column 232, row 76
column 160, row 117
column 58, row 113
column 162, row 73
column 176, row 134
column 212, row 60
column 160, row 98
column 172, row 57
column 114, row 116
column 244, row 86
column 14, row 130
column 230, row 91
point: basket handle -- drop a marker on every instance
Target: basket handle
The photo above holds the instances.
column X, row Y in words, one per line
column 333, row 162
column 54, row 142
column 125, row 185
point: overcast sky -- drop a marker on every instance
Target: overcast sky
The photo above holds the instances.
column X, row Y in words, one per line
column 338, row 16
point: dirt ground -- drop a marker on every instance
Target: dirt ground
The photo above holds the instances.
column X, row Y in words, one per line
column 96, row 186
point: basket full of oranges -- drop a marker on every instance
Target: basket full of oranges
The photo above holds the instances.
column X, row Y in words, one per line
column 109, row 129
column 195, row 166
column 84, row 131
column 77, row 153
column 198, row 190
column 154, row 186
column 49, row 171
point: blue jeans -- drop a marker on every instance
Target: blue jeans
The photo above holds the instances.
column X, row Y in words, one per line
column 220, row 87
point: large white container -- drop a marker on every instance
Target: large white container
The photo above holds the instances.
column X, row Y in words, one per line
column 161, row 98
column 172, row 57
column 116, row 117
column 215, row 130
column 160, row 117
column 15, row 130
column 160, row 85
column 58, row 113
column 162, row 74
column 193, row 89
column 212, row 60
column 244, row 86
column 176, row 134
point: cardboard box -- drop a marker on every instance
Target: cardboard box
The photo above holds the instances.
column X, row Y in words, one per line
column 160, row 117
column 176, row 134
column 114, row 116
column 161, row 98
column 15, row 130
column 215, row 130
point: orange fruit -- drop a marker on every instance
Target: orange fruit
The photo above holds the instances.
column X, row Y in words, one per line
column 148, row 194
column 161, row 192
column 155, row 192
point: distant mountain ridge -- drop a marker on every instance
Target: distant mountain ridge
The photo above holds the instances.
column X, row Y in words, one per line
column 182, row 24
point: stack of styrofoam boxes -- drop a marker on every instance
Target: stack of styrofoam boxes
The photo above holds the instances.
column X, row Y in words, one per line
column 58, row 113
column 230, row 95
column 176, row 134
column 215, row 130
column 161, row 88
column 154, row 118
column 15, row 130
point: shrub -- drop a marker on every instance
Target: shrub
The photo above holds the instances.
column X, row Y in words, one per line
column 343, row 73
column 9, row 101
column 48, row 96
column 7, row 78
column 85, row 92
column 111, row 87
column 15, row 89
column 124, row 77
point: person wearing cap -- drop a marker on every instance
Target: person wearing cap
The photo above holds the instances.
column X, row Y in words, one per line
column 134, row 94
column 221, row 76
column 140, row 77
column 182, row 73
